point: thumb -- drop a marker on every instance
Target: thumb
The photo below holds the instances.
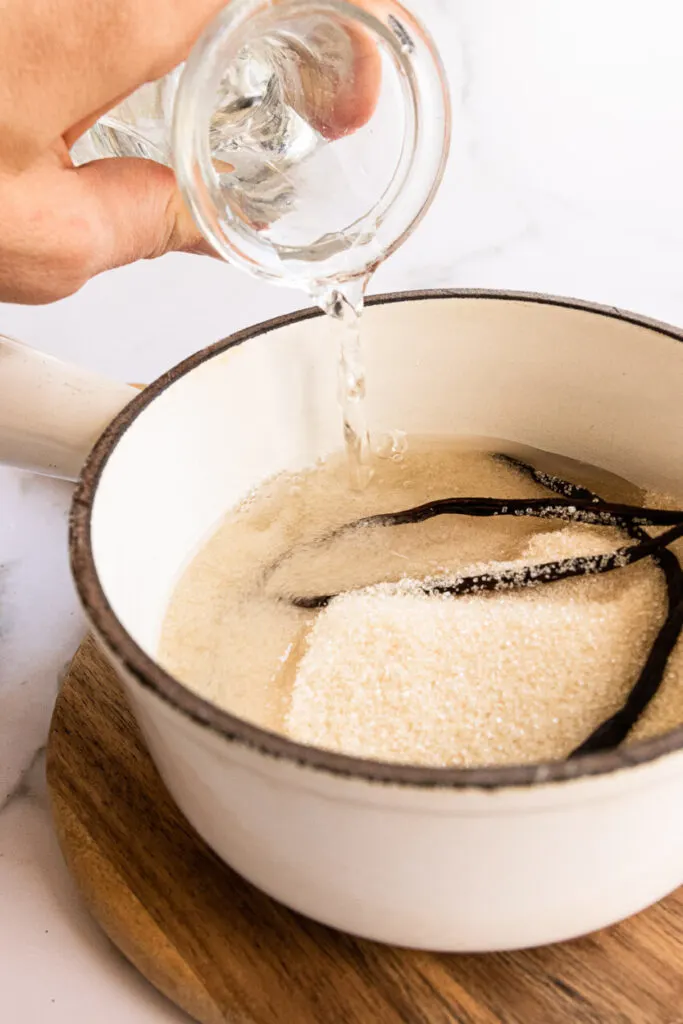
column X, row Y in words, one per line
column 138, row 211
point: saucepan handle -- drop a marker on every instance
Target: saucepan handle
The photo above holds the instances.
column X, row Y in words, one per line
column 52, row 413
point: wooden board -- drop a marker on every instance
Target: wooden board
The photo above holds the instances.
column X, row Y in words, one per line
column 229, row 955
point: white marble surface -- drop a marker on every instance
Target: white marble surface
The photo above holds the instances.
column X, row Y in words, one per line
column 566, row 177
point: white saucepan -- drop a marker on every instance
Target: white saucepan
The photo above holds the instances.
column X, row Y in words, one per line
column 479, row 859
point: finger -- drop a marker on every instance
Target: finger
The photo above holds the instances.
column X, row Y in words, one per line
column 359, row 95
column 106, row 49
column 337, row 106
column 139, row 211
column 60, row 226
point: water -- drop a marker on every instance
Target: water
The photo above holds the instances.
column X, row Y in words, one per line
column 344, row 306
column 258, row 140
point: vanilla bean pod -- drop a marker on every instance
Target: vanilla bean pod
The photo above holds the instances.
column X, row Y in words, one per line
column 576, row 510
column 535, row 574
column 613, row 732
column 576, row 504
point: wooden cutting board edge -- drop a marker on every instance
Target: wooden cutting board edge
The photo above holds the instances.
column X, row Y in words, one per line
column 227, row 954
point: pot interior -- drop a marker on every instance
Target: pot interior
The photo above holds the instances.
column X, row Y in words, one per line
column 586, row 383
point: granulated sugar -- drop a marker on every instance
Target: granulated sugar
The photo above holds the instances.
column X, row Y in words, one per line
column 393, row 674
column 387, row 671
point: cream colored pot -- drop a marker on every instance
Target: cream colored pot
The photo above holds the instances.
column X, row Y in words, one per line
column 478, row 859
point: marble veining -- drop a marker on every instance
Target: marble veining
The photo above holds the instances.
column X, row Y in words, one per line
column 24, row 786
column 565, row 177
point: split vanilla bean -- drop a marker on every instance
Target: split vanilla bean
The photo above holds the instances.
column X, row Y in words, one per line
column 535, row 574
column 613, row 732
column 575, row 504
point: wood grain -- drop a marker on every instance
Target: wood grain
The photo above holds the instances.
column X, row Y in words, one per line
column 229, row 955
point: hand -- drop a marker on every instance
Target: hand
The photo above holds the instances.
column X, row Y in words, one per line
column 63, row 63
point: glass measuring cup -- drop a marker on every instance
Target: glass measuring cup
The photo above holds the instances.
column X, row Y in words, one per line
column 248, row 123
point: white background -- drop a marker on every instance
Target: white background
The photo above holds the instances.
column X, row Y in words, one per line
column 566, row 176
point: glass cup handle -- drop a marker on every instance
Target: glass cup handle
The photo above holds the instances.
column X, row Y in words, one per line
column 51, row 413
